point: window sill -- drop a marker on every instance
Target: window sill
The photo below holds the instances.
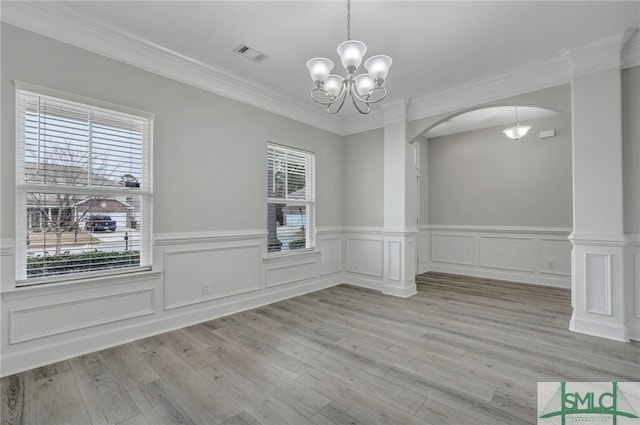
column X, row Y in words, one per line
column 79, row 283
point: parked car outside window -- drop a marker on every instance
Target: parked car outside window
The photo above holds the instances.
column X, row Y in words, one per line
column 97, row 223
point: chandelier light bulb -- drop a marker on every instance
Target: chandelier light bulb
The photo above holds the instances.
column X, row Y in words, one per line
column 378, row 66
column 319, row 68
column 364, row 84
column 351, row 53
column 333, row 85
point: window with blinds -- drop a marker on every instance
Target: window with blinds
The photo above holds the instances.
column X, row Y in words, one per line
column 83, row 187
column 290, row 199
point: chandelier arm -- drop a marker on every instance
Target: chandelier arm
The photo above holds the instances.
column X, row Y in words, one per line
column 323, row 91
column 370, row 102
column 365, row 111
column 344, row 98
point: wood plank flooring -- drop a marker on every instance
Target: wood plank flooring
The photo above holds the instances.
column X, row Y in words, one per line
column 462, row 351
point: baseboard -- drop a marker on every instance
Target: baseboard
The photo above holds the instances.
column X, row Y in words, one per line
column 23, row 360
column 600, row 329
column 534, row 279
column 634, row 331
column 362, row 281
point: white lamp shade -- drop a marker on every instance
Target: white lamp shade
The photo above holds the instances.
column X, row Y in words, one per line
column 333, row 85
column 378, row 66
column 319, row 68
column 364, row 83
column 517, row 131
column 351, row 53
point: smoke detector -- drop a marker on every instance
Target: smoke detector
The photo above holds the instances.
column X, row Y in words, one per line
column 249, row 53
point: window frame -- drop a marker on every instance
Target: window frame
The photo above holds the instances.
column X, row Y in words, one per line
column 144, row 191
column 309, row 203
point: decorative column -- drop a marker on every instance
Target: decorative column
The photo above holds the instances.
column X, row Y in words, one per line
column 400, row 204
column 598, row 272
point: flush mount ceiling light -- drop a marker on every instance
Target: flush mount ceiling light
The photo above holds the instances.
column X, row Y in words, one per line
column 364, row 89
column 517, row 131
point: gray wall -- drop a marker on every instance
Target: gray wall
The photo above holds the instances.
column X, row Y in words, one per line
column 209, row 151
column 631, row 148
column 481, row 178
column 364, row 179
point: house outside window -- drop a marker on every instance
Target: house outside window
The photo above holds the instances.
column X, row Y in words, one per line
column 290, row 199
column 83, row 187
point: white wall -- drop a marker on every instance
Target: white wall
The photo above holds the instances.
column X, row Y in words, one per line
column 364, row 178
column 482, row 178
column 209, row 211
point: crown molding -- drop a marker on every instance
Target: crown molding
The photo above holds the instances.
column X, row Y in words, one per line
column 66, row 23
column 395, row 110
column 525, row 80
column 553, row 72
column 599, row 55
column 631, row 52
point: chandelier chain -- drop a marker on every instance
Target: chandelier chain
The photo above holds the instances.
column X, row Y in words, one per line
column 348, row 19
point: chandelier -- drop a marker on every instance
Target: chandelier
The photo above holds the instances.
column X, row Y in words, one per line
column 364, row 89
column 517, row 131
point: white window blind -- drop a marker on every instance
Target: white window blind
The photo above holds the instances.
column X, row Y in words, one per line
column 83, row 187
column 290, row 199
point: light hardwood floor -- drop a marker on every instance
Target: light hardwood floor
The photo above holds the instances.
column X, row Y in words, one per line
column 462, row 351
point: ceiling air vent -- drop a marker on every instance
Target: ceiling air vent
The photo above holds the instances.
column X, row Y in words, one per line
column 249, row 53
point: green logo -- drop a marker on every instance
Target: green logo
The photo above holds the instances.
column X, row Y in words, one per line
column 612, row 403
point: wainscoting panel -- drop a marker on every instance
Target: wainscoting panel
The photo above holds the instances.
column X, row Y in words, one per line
column 331, row 255
column 53, row 319
column 199, row 275
column 364, row 255
column 520, row 254
column 507, row 252
column 598, row 284
column 290, row 269
column 394, row 259
column 453, row 249
column 555, row 257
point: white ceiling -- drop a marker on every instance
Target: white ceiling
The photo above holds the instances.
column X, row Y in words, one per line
column 436, row 46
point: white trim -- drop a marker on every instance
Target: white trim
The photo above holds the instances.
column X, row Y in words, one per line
column 607, row 284
column 7, row 247
column 600, row 329
column 167, row 276
column 599, row 55
column 395, row 110
column 181, row 238
column 58, row 350
column 497, row 229
column 83, row 283
column 362, row 281
column 71, row 97
column 528, row 278
column 64, row 22
column 631, row 52
column 13, row 315
column 598, row 239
